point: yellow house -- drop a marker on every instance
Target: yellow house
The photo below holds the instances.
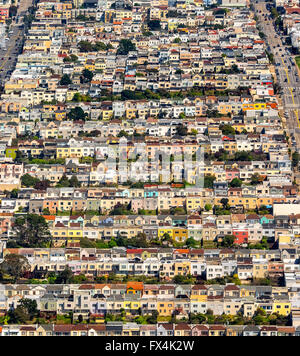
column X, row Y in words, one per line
column 182, row 268
column 120, row 14
column 59, row 233
column 165, row 230
column 194, row 203
column 134, row 288
column 224, row 108
column 90, row 66
column 249, row 203
column 254, row 106
column 147, row 254
column 128, row 231
column 70, row 94
column 42, row 254
column 282, row 307
column 34, row 152
column 230, row 147
column 131, row 113
column 76, row 152
column 74, row 233
column 67, row 14
column 60, row 115
column 65, row 204
column 284, row 239
column 198, row 294
column 260, row 270
column 165, row 307
column 172, row 25
column 62, row 152
column 229, row 62
column 131, row 305
column 239, row 127
column 107, row 114
column 264, row 201
column 180, row 234
column 129, row 86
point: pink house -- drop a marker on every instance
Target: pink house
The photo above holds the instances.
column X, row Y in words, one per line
column 231, row 174
column 137, row 204
column 4, row 12
column 200, row 330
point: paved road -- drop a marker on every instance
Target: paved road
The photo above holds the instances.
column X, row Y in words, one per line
column 286, row 70
column 8, row 56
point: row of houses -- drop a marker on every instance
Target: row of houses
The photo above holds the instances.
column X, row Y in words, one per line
column 96, row 301
column 166, row 264
column 133, row 329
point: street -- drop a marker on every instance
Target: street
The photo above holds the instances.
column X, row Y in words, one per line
column 8, row 55
column 286, row 71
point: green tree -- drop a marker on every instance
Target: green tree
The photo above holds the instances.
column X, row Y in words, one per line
column 15, row 266
column 154, row 25
column 65, row 80
column 139, row 241
column 17, row 316
column 179, row 279
column 30, row 307
column 122, row 133
column 181, row 130
column 209, row 181
column 167, row 237
column 77, row 114
column 14, row 193
column 224, row 202
column 235, row 183
column 125, row 46
column 32, row 231
column 242, row 156
column 28, row 180
column 295, row 159
column 179, row 71
column 86, row 243
column 153, row 318
column 208, row 207
column 191, row 243
column 74, row 182
column 228, row 240
column 63, row 182
column 112, row 243
column 87, row 75
column 227, row 129
column 255, row 179
column 71, row 58
column 85, row 46
column 42, row 184
column 65, row 276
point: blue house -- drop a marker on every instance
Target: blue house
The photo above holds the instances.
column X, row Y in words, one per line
column 267, row 219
